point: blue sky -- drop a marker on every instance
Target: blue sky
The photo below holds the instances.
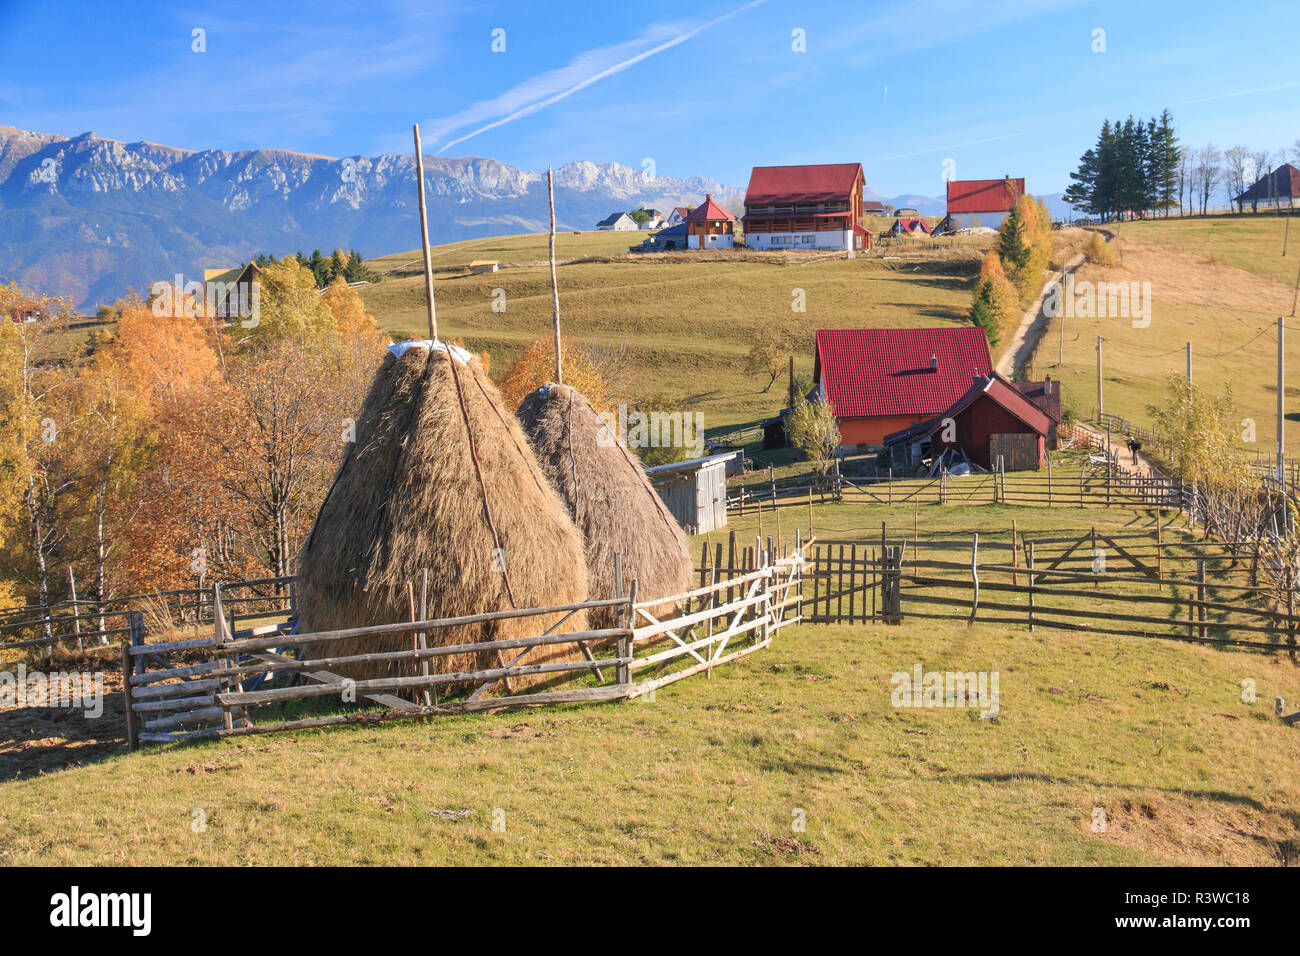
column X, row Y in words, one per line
column 705, row 88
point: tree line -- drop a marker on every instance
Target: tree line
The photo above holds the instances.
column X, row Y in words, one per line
column 176, row 450
column 1139, row 168
column 325, row 269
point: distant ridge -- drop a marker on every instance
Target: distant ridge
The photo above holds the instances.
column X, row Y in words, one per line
column 88, row 217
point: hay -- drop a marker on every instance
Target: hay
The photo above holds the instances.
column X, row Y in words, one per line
column 609, row 497
column 408, row 497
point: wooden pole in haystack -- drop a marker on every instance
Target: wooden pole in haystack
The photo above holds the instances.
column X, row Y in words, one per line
column 424, row 238
column 555, row 287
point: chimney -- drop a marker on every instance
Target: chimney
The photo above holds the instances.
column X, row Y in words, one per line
column 708, row 197
column 934, row 363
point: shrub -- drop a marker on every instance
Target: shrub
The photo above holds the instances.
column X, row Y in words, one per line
column 1098, row 251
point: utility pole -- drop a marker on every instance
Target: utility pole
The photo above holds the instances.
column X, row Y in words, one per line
column 555, row 286
column 1189, row 362
column 1281, row 469
column 424, row 238
column 1100, row 408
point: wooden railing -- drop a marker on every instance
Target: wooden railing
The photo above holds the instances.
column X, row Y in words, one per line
column 217, row 686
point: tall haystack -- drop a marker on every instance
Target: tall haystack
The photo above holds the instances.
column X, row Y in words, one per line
column 440, row 477
column 609, row 497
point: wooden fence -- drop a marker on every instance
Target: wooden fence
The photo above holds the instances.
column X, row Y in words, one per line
column 1175, row 590
column 227, row 684
column 92, row 622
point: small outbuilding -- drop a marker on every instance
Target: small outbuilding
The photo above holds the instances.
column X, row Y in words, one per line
column 992, row 423
column 479, row 266
column 695, row 491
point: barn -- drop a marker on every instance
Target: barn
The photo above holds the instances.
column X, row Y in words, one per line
column 991, row 421
column 878, row 381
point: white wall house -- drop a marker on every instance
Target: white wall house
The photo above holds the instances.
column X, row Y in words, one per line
column 618, row 222
column 837, row 239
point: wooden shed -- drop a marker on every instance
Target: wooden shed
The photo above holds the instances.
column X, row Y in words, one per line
column 695, row 491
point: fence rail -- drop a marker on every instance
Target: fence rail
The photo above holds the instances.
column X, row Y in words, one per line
column 874, row 582
column 218, row 686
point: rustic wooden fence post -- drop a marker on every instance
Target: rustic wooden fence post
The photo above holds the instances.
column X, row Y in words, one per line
column 974, row 576
column 128, row 697
column 1200, row 596
column 1030, row 566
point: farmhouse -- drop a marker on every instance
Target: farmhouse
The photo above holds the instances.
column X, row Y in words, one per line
column 805, row 207
column 677, row 216
column 1279, row 188
column 654, row 219
column 617, row 221
column 878, row 381
column 709, row 226
column 230, row 293
column 991, row 423
column 26, row 310
column 873, row 207
column 980, row 202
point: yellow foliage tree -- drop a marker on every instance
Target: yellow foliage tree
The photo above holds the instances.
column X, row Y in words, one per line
column 290, row 306
column 536, row 366
column 351, row 319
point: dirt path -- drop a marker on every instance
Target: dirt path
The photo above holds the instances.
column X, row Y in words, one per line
column 1142, row 467
column 1035, row 323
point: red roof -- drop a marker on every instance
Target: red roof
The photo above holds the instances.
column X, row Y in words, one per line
column 912, row 225
column 984, row 195
column 871, row 372
column 786, row 185
column 708, row 211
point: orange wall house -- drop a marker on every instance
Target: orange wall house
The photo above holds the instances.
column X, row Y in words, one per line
column 872, row 431
column 879, row 381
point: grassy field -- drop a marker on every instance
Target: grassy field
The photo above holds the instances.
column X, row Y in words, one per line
column 1215, row 282
column 716, row 770
column 686, row 319
column 1155, row 733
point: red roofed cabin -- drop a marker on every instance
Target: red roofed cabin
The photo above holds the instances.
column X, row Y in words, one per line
column 980, row 202
column 991, row 421
column 806, row 207
column 878, row 381
column 709, row 226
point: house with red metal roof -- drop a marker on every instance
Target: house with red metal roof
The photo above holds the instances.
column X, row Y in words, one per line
column 878, row 381
column 980, row 202
column 993, row 425
column 709, row 226
column 806, row 207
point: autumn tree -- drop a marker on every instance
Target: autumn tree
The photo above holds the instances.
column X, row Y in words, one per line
column 351, row 320
column 112, row 441
column 536, row 366
column 769, row 352
column 35, row 475
column 812, row 428
column 289, row 306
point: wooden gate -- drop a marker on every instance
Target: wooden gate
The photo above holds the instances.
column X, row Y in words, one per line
column 1019, row 452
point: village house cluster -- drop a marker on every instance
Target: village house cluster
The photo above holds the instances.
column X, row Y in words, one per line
column 810, row 207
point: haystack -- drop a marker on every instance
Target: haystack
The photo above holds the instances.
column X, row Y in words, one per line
column 609, row 498
column 440, row 477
